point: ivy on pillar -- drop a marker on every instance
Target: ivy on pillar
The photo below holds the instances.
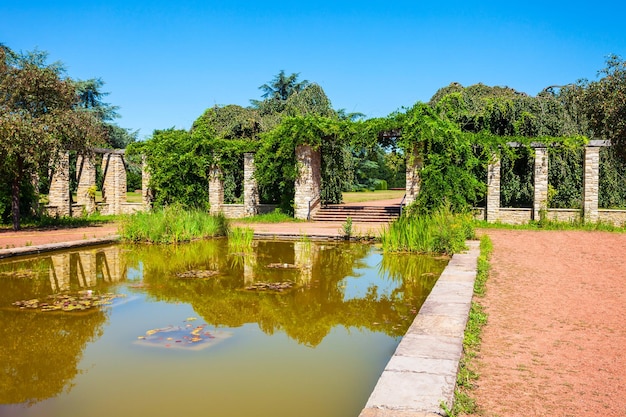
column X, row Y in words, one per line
column 540, row 200
column 146, row 191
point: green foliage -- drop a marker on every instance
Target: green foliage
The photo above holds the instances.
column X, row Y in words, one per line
column 172, row 224
column 449, row 157
column 438, row 232
column 40, row 115
column 240, row 238
column 277, row 216
column 228, row 122
column 178, row 167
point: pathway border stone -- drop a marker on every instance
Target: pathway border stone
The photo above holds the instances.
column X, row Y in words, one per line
column 421, row 375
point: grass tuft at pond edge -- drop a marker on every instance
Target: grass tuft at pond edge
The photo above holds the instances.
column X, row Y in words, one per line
column 172, row 224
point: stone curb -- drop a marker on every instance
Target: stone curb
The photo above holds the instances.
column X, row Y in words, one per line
column 421, row 375
column 49, row 247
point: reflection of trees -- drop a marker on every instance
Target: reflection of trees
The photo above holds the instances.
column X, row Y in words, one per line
column 39, row 352
column 307, row 313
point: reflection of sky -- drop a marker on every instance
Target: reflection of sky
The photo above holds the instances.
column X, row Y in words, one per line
column 355, row 286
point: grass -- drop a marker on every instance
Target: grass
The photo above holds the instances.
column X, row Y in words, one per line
column 240, row 238
column 440, row 232
column 361, row 196
column 275, row 216
column 172, row 224
column 553, row 225
column 464, row 402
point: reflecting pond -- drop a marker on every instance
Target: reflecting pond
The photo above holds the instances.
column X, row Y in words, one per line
column 278, row 329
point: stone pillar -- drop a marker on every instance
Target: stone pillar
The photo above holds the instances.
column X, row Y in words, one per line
column 59, row 195
column 540, row 201
column 146, row 192
column 114, row 187
column 303, row 258
column 250, row 188
column 216, row 190
column 414, row 165
column 85, row 193
column 309, row 181
column 591, row 181
column 492, row 211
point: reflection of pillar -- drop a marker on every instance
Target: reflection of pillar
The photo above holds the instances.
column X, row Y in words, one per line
column 114, row 187
column 309, row 181
column 216, row 189
column 250, row 188
column 146, row 192
column 86, row 174
column 60, row 272
column 413, row 167
column 591, row 183
column 87, row 268
column 303, row 258
column 59, row 194
column 493, row 190
column 111, row 264
column 540, row 201
column 249, row 264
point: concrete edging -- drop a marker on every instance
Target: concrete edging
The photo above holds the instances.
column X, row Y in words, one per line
column 49, row 247
column 421, row 374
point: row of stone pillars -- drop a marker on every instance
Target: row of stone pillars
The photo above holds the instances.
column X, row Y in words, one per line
column 113, row 189
column 591, row 171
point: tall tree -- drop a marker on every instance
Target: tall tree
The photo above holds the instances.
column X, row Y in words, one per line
column 277, row 91
column 39, row 117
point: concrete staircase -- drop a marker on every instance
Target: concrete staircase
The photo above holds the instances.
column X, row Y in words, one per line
column 364, row 214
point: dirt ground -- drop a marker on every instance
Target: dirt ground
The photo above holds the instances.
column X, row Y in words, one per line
column 555, row 341
column 33, row 237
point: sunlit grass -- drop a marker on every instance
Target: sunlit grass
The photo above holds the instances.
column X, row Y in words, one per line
column 361, row 196
column 172, row 225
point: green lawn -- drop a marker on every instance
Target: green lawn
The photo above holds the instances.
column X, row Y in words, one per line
column 357, row 197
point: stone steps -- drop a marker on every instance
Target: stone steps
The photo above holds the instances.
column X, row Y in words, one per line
column 365, row 214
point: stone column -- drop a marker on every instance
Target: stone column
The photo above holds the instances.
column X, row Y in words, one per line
column 216, row 190
column 591, row 181
column 309, row 181
column 492, row 211
column 59, row 195
column 540, row 201
column 114, row 187
column 86, row 173
column 146, row 192
column 414, row 165
column 250, row 188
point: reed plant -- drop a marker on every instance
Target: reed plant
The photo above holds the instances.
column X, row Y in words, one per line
column 240, row 238
column 439, row 232
column 172, row 224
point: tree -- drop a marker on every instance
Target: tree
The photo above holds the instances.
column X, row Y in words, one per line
column 278, row 91
column 39, row 117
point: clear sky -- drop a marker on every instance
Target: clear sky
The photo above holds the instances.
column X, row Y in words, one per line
column 165, row 62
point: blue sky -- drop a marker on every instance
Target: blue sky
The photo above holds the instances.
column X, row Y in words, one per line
column 165, row 62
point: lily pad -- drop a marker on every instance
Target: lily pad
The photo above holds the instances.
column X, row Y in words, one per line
column 179, row 337
column 67, row 302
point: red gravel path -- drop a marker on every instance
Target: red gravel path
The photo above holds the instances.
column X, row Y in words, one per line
column 555, row 341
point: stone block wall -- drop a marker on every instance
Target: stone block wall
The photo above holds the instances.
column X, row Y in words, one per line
column 540, row 201
column 309, row 181
column 414, row 165
column 86, row 176
column 591, row 169
column 114, row 186
column 250, row 187
column 216, row 190
column 59, row 196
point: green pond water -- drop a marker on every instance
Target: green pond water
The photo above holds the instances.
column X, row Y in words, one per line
column 203, row 329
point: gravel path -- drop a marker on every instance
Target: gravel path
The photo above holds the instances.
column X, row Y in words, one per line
column 555, row 341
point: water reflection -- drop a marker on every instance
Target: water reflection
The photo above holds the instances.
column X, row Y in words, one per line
column 348, row 286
